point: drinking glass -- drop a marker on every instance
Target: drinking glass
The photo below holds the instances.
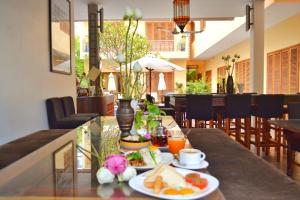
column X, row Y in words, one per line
column 176, row 143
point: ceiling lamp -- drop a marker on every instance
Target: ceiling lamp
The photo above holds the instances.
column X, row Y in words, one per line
column 181, row 13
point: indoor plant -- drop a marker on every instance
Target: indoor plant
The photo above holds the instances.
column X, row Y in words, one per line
column 230, row 64
column 130, row 76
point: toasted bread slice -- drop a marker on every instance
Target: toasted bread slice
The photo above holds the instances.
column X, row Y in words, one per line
column 170, row 176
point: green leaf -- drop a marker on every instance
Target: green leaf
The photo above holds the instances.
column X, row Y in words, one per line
column 134, row 156
column 152, row 154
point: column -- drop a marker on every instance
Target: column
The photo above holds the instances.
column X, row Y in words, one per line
column 257, row 47
column 93, row 38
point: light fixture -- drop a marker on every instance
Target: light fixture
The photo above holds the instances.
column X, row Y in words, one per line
column 181, row 11
column 249, row 21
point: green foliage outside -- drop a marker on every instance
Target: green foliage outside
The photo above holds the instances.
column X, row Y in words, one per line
column 112, row 42
column 198, row 87
column 79, row 65
column 191, row 74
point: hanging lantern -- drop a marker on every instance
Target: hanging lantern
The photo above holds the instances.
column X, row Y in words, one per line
column 181, row 13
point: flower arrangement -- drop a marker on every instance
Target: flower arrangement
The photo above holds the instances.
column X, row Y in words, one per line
column 130, row 76
column 115, row 165
column 230, row 63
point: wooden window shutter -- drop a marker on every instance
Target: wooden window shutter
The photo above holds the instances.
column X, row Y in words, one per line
column 208, row 77
column 294, row 70
column 277, row 74
column 242, row 73
column 270, row 70
column 284, row 72
column 247, row 76
column 150, row 30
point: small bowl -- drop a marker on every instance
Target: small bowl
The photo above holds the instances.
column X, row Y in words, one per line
column 134, row 145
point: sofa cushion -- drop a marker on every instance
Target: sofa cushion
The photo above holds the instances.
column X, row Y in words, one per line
column 68, row 105
column 71, row 122
column 89, row 115
column 55, row 111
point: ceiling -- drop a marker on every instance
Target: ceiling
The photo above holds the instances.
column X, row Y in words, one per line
column 162, row 9
column 274, row 14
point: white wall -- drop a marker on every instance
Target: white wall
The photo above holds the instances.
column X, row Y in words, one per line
column 25, row 77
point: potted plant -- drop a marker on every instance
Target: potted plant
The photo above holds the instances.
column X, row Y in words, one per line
column 230, row 64
column 130, row 76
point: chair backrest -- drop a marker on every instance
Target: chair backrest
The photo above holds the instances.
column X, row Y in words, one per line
column 294, row 110
column 68, row 105
column 269, row 105
column 238, row 106
column 150, row 98
column 199, row 107
column 167, row 101
column 55, row 111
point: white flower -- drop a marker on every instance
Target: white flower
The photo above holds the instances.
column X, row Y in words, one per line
column 120, row 58
column 142, row 132
column 129, row 173
column 105, row 176
column 138, row 14
column 137, row 67
column 128, row 13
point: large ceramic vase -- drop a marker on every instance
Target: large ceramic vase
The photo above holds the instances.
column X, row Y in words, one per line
column 229, row 85
column 125, row 116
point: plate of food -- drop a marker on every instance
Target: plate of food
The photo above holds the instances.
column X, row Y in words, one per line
column 148, row 158
column 166, row 182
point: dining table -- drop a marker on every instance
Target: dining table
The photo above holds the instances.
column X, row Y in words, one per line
column 65, row 167
column 178, row 102
column 291, row 131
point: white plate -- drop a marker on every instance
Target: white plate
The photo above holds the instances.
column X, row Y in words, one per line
column 167, row 158
column 137, row 183
column 202, row 165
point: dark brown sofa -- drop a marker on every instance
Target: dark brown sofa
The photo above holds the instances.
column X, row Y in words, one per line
column 242, row 174
column 61, row 114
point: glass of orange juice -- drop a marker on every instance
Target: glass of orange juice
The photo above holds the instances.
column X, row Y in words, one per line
column 176, row 143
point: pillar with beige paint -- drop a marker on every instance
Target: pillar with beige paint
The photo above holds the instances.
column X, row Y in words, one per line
column 256, row 81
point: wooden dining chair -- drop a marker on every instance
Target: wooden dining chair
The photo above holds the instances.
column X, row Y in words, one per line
column 238, row 109
column 268, row 106
column 200, row 109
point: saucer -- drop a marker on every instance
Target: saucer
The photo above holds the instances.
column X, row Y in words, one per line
column 202, row 165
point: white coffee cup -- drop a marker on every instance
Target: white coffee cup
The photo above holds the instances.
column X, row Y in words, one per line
column 191, row 156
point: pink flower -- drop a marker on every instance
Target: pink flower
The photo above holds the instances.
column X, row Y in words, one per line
column 116, row 163
column 148, row 136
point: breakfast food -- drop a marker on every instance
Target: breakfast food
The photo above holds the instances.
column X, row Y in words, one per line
column 164, row 179
column 196, row 180
column 145, row 157
column 172, row 178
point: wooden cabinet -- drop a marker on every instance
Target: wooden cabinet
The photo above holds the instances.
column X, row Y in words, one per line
column 283, row 71
column 104, row 105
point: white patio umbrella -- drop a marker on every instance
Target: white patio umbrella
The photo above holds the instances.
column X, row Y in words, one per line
column 111, row 83
column 151, row 63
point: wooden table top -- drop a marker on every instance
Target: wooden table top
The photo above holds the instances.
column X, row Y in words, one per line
column 291, row 124
column 37, row 182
